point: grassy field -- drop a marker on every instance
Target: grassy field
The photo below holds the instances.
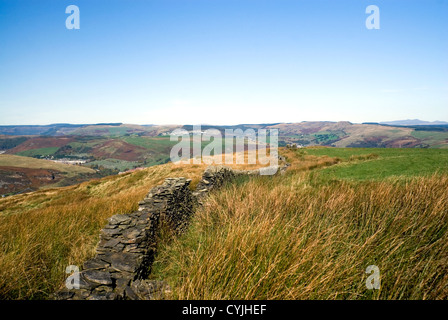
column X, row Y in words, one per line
column 296, row 236
column 158, row 148
column 301, row 237
column 38, row 152
column 433, row 138
column 384, row 163
column 26, row 162
column 120, row 165
column 42, row 232
column 152, row 143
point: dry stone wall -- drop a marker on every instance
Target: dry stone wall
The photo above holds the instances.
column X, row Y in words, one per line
column 127, row 245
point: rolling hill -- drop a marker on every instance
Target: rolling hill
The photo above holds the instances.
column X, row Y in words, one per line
column 114, row 148
column 346, row 134
column 23, row 174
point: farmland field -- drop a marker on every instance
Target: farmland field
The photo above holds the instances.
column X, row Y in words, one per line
column 383, row 163
column 38, row 152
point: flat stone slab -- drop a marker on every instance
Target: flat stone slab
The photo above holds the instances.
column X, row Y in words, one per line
column 120, row 219
column 100, row 277
column 108, row 232
column 124, row 261
column 95, row 264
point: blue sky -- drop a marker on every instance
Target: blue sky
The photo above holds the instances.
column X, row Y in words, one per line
column 222, row 61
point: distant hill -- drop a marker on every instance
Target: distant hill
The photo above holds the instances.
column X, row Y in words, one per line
column 52, row 129
column 59, row 129
column 414, row 122
column 114, row 147
column 346, row 134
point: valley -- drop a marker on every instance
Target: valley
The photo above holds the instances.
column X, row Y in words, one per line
column 108, row 149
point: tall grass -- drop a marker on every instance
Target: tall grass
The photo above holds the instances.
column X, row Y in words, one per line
column 284, row 238
column 43, row 232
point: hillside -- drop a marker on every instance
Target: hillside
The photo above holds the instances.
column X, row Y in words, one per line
column 308, row 236
column 346, row 134
column 302, row 235
column 117, row 153
column 24, row 174
column 42, row 232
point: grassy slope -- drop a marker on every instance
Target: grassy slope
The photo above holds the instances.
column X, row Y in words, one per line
column 158, row 148
column 389, row 163
column 26, row 162
column 434, row 138
column 291, row 237
column 297, row 237
column 42, row 232
column 156, row 144
column 38, row 152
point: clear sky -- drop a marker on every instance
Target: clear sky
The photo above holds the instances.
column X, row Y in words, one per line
column 222, row 61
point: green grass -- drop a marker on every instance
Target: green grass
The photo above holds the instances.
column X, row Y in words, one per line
column 346, row 153
column 121, row 165
column 118, row 131
column 84, row 146
column 160, row 148
column 431, row 135
column 389, row 163
column 38, row 152
column 435, row 139
column 155, row 144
